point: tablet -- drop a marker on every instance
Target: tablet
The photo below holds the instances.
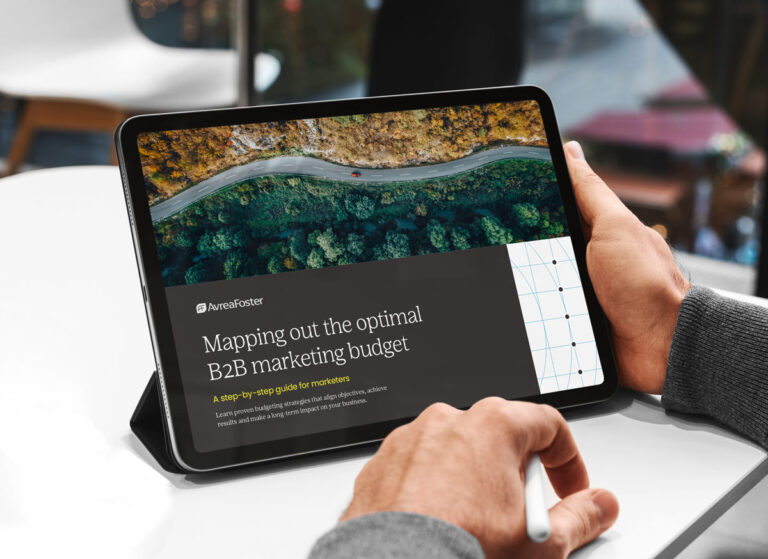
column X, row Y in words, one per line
column 317, row 274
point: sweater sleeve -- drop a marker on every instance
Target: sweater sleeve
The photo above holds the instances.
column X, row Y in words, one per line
column 396, row 535
column 718, row 363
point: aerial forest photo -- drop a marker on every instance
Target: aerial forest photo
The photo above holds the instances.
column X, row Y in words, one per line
column 266, row 198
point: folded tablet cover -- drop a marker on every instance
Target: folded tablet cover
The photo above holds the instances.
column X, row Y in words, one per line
column 148, row 424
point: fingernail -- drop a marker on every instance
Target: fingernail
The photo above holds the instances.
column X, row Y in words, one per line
column 574, row 148
column 606, row 503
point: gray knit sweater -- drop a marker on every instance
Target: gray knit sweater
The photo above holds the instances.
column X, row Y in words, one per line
column 716, row 368
column 717, row 364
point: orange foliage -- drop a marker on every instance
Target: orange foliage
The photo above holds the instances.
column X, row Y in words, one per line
column 175, row 159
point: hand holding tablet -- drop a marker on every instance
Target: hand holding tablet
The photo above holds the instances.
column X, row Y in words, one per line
column 642, row 302
column 448, row 218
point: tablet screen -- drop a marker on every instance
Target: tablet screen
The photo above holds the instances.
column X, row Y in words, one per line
column 332, row 272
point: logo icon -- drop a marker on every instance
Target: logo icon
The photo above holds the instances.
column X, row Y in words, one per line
column 201, row 308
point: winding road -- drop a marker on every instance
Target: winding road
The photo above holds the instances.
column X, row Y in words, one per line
column 311, row 166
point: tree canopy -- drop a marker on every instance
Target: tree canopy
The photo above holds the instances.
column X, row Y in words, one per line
column 339, row 223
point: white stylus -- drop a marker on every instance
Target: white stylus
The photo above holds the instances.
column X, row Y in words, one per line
column 536, row 513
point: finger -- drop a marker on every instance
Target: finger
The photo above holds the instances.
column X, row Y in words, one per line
column 594, row 198
column 552, row 439
column 438, row 411
column 535, row 428
column 567, row 477
column 400, row 441
column 578, row 519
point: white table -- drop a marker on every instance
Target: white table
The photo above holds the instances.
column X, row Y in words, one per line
column 75, row 355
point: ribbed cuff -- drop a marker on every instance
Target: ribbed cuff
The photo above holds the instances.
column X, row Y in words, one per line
column 718, row 362
column 396, row 535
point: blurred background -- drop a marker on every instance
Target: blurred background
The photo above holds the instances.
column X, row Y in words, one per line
column 668, row 97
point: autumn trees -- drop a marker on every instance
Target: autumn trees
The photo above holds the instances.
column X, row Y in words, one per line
column 173, row 160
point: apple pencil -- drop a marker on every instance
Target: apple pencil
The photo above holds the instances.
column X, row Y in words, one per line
column 536, row 513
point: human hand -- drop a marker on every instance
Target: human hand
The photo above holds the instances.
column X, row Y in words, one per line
column 635, row 276
column 468, row 468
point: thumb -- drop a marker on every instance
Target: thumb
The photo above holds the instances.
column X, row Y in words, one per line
column 594, row 198
column 580, row 518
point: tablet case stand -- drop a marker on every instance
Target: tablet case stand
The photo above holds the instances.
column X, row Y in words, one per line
column 148, row 424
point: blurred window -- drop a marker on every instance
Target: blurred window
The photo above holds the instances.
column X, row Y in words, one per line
column 322, row 45
column 658, row 92
column 668, row 143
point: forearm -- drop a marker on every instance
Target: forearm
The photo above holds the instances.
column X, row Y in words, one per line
column 718, row 363
column 396, row 535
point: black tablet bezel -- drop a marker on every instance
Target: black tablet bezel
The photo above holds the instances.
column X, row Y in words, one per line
column 154, row 291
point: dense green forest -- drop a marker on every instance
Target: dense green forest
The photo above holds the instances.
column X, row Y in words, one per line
column 275, row 224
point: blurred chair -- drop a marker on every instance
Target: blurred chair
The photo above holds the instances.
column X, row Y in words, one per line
column 85, row 65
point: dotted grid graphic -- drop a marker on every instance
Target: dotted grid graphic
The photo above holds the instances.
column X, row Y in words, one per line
column 555, row 314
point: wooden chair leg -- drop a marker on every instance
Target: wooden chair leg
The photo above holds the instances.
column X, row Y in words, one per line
column 22, row 139
column 60, row 115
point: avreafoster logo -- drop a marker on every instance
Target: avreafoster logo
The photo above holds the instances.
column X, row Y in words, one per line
column 229, row 305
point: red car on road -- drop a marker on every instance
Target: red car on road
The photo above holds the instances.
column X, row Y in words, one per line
column 355, row 173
